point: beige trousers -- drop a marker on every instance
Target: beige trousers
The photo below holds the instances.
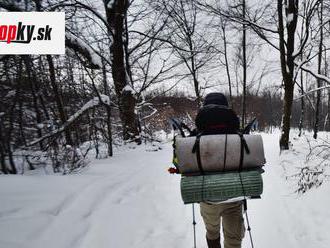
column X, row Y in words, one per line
column 231, row 215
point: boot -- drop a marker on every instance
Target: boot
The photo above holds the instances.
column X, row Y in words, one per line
column 213, row 243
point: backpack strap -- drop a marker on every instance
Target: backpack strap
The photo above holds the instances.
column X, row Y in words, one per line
column 244, row 147
column 225, row 154
column 196, row 149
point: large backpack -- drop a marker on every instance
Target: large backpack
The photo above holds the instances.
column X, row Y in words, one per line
column 219, row 162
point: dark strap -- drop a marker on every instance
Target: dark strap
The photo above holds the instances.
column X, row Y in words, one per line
column 225, row 155
column 244, row 147
column 196, row 149
column 245, row 204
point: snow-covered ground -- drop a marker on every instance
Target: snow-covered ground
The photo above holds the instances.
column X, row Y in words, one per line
column 131, row 201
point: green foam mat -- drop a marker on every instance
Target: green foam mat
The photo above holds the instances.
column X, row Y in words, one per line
column 221, row 187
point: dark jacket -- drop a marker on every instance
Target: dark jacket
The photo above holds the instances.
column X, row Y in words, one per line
column 216, row 119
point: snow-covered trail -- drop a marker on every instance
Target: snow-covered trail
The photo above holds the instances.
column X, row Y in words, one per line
column 131, row 201
column 127, row 201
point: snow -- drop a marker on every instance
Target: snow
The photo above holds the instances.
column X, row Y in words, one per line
column 95, row 58
column 110, row 4
column 128, row 88
column 312, row 91
column 131, row 201
column 154, row 111
column 287, row 68
column 315, row 74
column 289, row 18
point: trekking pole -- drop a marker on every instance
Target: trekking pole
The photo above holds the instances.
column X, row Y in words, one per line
column 244, row 146
column 194, row 224
column 248, row 222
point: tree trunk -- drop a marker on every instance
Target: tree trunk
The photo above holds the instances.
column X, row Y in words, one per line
column 58, row 99
column 287, row 64
column 194, row 71
column 34, row 91
column 223, row 27
column 108, row 110
column 302, row 102
column 3, row 166
column 116, row 12
column 271, row 120
column 195, row 79
column 286, row 118
column 9, row 132
column 244, row 69
column 319, row 81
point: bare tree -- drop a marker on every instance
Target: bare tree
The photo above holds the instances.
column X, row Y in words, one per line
column 244, row 64
column 116, row 12
column 286, row 24
column 319, row 71
column 287, row 46
column 223, row 24
column 187, row 35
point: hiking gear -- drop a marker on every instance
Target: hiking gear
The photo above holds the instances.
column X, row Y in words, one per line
column 215, row 98
column 231, row 216
column 218, row 153
column 221, row 187
column 243, row 188
column 173, row 170
column 175, row 124
column 178, row 125
column 248, row 127
column 216, row 119
column 213, row 243
column 248, row 222
column 194, row 224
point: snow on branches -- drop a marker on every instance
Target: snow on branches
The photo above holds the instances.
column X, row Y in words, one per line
column 96, row 101
column 78, row 45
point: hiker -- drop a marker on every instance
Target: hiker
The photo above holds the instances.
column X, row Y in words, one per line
column 215, row 117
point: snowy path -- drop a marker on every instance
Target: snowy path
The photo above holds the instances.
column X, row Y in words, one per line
column 131, row 201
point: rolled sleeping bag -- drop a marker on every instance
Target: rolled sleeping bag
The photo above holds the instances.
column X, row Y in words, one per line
column 219, row 153
column 221, row 187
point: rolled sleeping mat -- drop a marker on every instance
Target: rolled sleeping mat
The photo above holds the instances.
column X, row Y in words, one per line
column 221, row 187
column 219, row 153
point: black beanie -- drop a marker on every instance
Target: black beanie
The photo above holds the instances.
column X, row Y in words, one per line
column 215, row 98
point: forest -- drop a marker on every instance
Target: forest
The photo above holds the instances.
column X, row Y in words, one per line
column 164, row 123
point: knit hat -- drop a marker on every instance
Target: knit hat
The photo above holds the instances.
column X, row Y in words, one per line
column 215, row 98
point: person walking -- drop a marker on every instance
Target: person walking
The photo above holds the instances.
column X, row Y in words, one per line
column 215, row 117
